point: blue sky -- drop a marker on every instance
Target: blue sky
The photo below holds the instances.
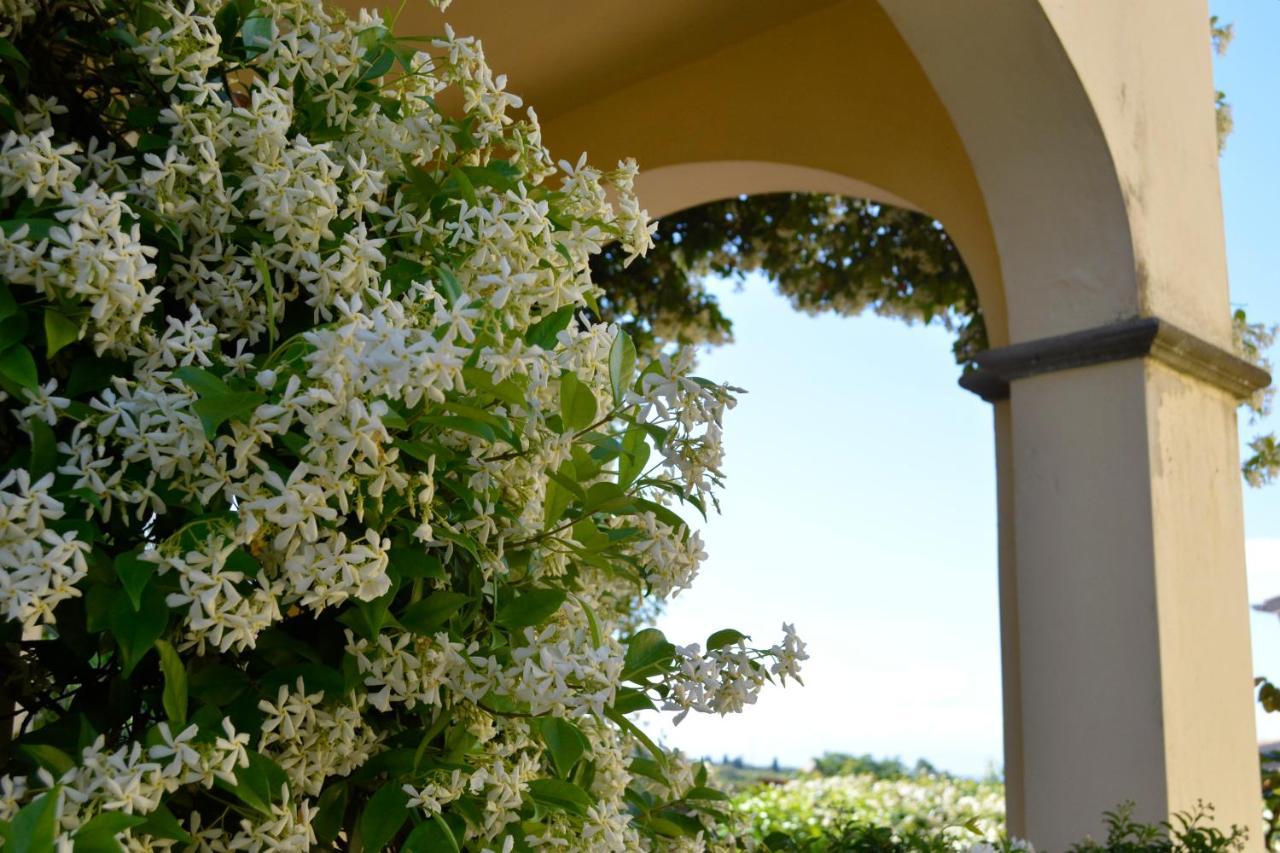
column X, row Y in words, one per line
column 861, row 504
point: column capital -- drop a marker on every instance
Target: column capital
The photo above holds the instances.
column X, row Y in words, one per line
column 1137, row 337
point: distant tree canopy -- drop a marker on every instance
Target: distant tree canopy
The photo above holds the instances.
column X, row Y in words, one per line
column 825, row 253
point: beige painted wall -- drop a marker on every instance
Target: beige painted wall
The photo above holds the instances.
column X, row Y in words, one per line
column 1146, row 67
column 825, row 95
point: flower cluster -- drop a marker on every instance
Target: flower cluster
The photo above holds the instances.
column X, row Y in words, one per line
column 317, row 457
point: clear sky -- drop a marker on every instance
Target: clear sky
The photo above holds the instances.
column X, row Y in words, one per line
column 861, row 505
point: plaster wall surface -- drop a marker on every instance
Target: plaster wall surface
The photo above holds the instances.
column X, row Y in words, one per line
column 1146, row 67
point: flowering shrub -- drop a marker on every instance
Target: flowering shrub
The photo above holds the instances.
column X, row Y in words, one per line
column 933, row 812
column 327, row 510
column 930, row 808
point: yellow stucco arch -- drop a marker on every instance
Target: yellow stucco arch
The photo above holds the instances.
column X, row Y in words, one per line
column 1069, row 148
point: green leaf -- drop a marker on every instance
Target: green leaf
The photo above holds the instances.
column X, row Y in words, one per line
column 175, row 685
column 593, row 624
column 649, row 768
column 431, row 613
column 635, row 731
column 91, row 374
column 413, row 562
column 214, row 411
column 18, row 370
column 702, row 792
column 15, row 60
column 59, row 331
column 634, row 457
column 136, row 631
column 577, row 402
column 646, row 650
column 218, row 402
column 201, row 381
column 531, row 608
column 379, row 66
column 622, row 365
column 315, row 677
column 725, row 637
column 448, row 282
column 34, row 828
column 13, row 329
column 560, row 795
column 565, row 743
column 608, row 498
column 259, row 784
column 431, row 836
column 49, row 757
column 562, row 486
column 465, row 187
column 99, row 834
column 162, row 824
column 217, row 685
column 37, row 229
column 543, row 333
column 44, row 448
column 134, row 573
column 382, row 818
column 330, row 809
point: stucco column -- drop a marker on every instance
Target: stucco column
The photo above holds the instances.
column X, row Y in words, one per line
column 1131, row 618
column 1010, row 653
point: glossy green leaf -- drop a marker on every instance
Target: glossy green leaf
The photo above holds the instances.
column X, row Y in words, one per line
column 34, row 827
column 701, row 792
column 215, row 411
column 217, row 685
column 59, row 331
column 622, row 365
column 175, row 685
column 18, row 370
column 385, row 813
column 634, row 457
column 432, row 836
column 98, row 834
column 258, row 785
column 561, row 489
column 565, row 743
column 530, row 608
column 655, row 752
column 431, row 613
column 330, row 809
column 577, row 402
column 134, row 573
column 561, row 795
column 725, row 637
column 37, row 228
column 49, row 757
column 162, row 824
column 44, row 448
column 465, row 188
column 543, row 333
column 379, row 65
column 136, row 631
column 413, row 562
column 646, row 650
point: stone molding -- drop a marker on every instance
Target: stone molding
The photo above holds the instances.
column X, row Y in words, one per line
column 1139, row 337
